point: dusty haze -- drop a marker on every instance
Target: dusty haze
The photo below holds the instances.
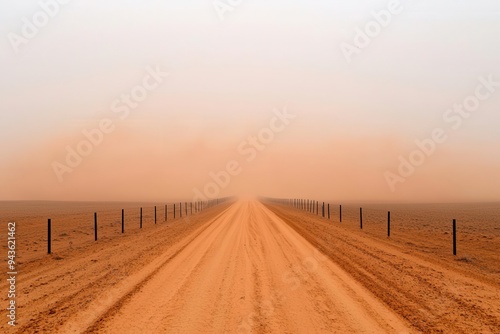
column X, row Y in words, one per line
column 352, row 121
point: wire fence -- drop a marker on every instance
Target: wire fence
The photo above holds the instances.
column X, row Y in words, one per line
column 71, row 225
column 469, row 230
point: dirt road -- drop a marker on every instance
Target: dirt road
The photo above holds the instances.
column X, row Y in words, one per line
column 247, row 272
column 248, row 267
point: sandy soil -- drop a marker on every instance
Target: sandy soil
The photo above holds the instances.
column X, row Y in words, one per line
column 413, row 272
column 252, row 268
column 427, row 228
column 73, row 223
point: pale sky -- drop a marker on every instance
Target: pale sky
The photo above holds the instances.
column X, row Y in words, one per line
column 353, row 120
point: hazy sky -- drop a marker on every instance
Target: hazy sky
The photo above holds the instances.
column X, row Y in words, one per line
column 359, row 103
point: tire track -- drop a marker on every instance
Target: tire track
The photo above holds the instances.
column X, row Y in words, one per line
column 108, row 303
column 431, row 297
column 177, row 297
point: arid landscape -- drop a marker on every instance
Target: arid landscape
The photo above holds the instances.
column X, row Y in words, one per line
column 249, row 167
column 249, row 266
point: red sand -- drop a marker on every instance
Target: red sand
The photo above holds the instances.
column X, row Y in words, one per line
column 247, row 267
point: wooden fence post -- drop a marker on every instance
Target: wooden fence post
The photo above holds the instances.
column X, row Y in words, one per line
column 95, row 226
column 49, row 236
column 454, row 237
column 388, row 223
column 361, row 218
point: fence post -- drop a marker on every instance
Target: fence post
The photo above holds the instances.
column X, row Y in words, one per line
column 361, row 218
column 95, row 226
column 454, row 237
column 141, row 219
column 317, row 208
column 49, row 235
column 123, row 220
column 323, row 210
column 328, row 211
column 155, row 214
column 341, row 213
column 166, row 213
column 174, row 210
column 180, row 209
column 388, row 223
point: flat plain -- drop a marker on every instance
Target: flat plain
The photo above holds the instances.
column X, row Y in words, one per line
column 255, row 267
